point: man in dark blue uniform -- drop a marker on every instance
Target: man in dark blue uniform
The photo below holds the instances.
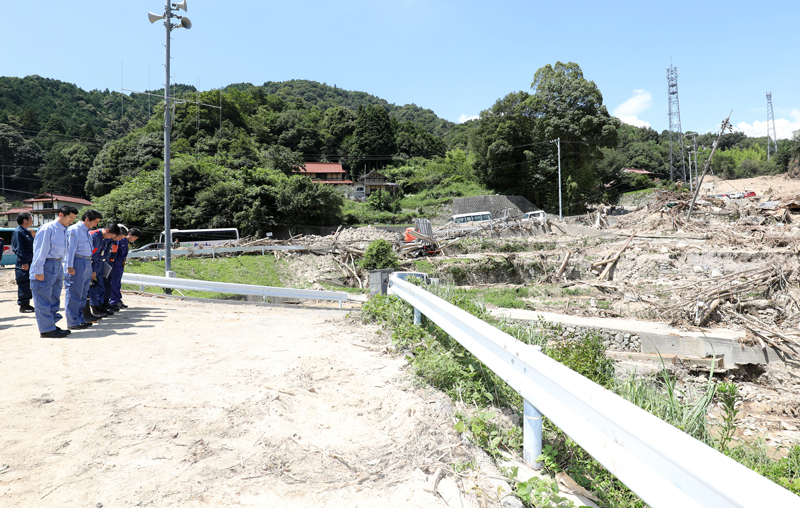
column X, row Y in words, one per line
column 22, row 243
column 112, row 262
column 102, row 240
column 115, row 282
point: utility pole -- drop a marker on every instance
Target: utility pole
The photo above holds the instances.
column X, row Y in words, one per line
column 773, row 142
column 184, row 23
column 557, row 141
column 674, row 121
column 692, row 177
column 726, row 124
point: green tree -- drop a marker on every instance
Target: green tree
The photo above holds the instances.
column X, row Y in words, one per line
column 301, row 202
column 373, row 140
column 570, row 107
column 281, row 158
column 30, row 120
column 66, row 169
column 504, row 145
column 413, row 140
column 123, row 159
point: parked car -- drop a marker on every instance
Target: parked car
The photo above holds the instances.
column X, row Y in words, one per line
column 538, row 216
column 150, row 246
column 737, row 195
column 749, row 194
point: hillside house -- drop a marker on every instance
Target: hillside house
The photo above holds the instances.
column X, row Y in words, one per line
column 325, row 172
column 9, row 217
column 373, row 181
column 45, row 206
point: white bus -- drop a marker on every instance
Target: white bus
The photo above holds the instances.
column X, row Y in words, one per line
column 200, row 238
column 467, row 218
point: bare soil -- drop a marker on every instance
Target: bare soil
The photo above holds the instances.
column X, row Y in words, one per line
column 763, row 186
column 207, row 404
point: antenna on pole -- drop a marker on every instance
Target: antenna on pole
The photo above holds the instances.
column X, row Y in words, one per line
column 674, row 122
column 772, row 138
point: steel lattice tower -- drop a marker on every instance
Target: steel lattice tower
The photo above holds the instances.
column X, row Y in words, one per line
column 772, row 138
column 674, row 122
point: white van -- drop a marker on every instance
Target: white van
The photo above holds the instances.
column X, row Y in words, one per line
column 538, row 216
column 468, row 218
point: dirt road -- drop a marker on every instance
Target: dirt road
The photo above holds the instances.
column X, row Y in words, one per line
column 175, row 403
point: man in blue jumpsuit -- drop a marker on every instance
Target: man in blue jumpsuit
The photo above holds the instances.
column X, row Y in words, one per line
column 102, row 239
column 112, row 258
column 22, row 243
column 79, row 258
column 115, row 282
column 47, row 272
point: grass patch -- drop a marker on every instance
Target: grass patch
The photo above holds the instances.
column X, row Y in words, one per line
column 509, row 298
column 424, row 266
column 256, row 270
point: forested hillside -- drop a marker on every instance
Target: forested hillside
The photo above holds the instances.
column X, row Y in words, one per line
column 234, row 150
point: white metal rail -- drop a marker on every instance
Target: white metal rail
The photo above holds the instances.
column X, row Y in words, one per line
column 230, row 288
column 664, row 466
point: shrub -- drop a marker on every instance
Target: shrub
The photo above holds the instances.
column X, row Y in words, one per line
column 379, row 255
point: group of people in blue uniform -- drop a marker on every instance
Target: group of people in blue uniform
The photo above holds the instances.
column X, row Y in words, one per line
column 88, row 262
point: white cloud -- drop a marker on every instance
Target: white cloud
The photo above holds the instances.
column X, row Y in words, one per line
column 628, row 110
column 465, row 118
column 783, row 127
column 632, row 120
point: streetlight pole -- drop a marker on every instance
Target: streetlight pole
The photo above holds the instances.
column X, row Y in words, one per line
column 184, row 23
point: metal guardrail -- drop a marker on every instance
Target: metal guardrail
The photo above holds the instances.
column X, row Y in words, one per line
column 159, row 254
column 664, row 466
column 230, row 288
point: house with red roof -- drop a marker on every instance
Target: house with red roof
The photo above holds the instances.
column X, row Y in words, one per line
column 9, row 217
column 325, row 172
column 44, row 207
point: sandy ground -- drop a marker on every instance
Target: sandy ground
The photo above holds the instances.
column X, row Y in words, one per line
column 176, row 403
column 778, row 186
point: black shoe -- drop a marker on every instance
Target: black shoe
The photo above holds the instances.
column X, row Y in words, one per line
column 81, row 326
column 122, row 305
column 60, row 330
column 55, row 334
column 108, row 310
column 97, row 311
column 26, row 309
column 116, row 308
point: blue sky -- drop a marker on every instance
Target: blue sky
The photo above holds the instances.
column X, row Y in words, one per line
column 454, row 57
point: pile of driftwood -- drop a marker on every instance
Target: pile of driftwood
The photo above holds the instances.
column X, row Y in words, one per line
column 726, row 297
column 436, row 241
column 607, row 265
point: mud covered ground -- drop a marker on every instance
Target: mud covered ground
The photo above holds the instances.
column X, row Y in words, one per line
column 184, row 403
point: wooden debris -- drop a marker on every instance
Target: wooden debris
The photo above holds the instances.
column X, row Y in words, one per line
column 611, row 261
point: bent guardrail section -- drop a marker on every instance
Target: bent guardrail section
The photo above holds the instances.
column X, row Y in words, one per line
column 230, row 288
column 662, row 465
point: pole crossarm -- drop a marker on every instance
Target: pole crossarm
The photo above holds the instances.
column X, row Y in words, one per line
column 173, row 99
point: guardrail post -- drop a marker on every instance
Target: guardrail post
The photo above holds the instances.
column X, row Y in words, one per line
column 531, row 435
column 417, row 317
